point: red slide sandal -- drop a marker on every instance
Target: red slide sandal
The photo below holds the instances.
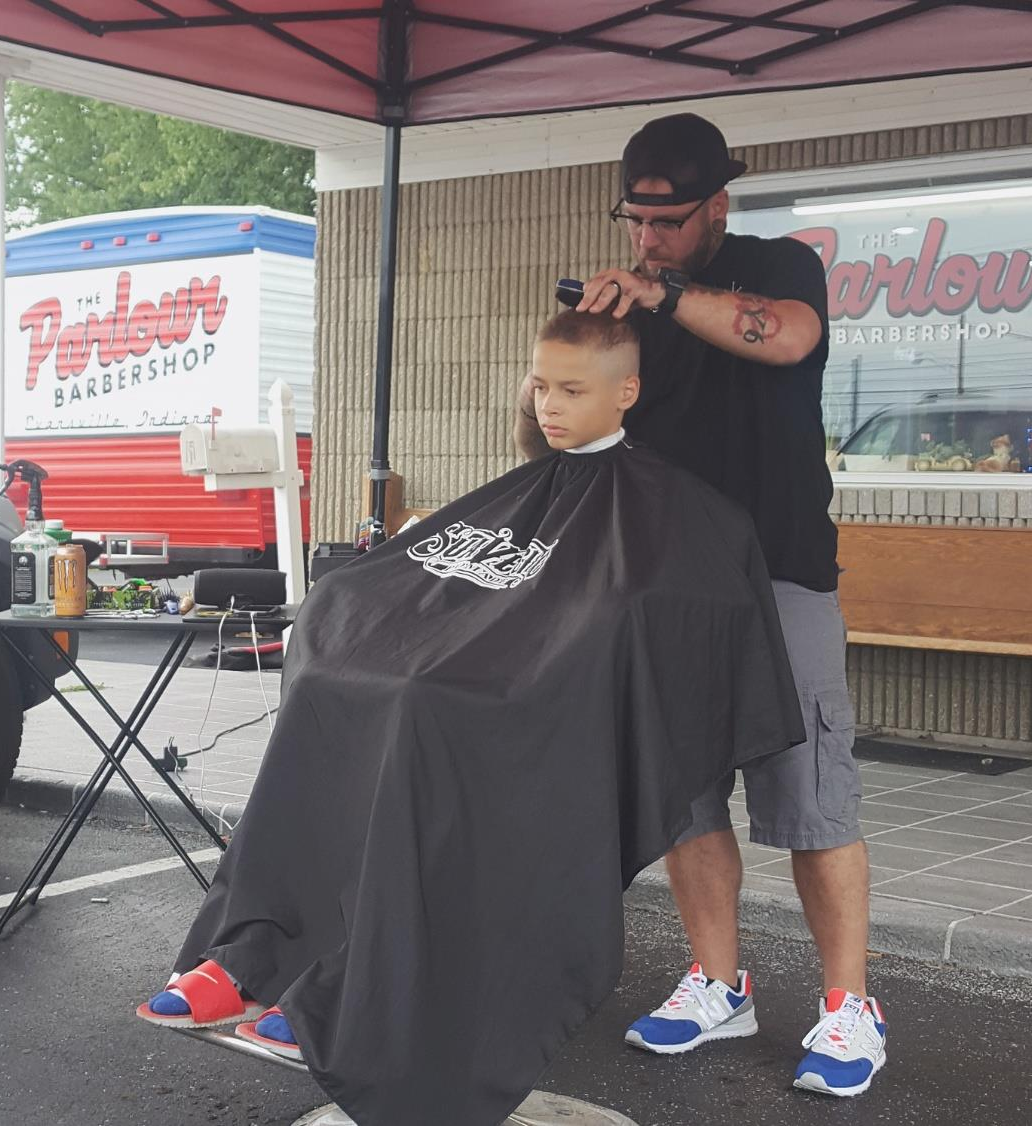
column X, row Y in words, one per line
column 276, row 1023
column 211, row 999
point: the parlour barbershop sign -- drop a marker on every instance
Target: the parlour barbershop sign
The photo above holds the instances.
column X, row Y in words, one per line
column 926, row 282
column 921, row 277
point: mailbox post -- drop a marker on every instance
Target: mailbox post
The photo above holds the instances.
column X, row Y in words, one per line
column 259, row 457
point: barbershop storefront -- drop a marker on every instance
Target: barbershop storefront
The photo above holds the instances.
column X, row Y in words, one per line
column 930, row 301
column 928, row 411
column 924, row 235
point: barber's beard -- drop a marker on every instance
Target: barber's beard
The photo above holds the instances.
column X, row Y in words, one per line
column 705, row 252
column 695, row 262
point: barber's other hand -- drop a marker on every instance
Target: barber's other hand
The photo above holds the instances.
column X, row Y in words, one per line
column 620, row 291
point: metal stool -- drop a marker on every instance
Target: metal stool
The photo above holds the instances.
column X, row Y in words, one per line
column 539, row 1109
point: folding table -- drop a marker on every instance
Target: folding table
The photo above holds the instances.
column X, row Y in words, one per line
column 181, row 631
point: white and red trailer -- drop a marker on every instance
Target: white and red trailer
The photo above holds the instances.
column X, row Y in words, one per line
column 123, row 328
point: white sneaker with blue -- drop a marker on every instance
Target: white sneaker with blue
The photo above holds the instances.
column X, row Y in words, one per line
column 697, row 1011
column 846, row 1046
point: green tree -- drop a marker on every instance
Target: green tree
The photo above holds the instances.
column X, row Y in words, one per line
column 69, row 156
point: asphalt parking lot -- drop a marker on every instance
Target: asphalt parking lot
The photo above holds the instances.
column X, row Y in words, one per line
column 72, row 1054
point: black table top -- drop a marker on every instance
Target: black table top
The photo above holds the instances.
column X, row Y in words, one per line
column 168, row 623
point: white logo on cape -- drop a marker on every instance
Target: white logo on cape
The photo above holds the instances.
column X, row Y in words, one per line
column 485, row 557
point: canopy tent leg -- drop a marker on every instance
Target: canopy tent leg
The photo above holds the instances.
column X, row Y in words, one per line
column 539, row 1109
column 394, row 51
column 380, row 466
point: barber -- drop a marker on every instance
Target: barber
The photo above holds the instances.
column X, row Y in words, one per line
column 734, row 333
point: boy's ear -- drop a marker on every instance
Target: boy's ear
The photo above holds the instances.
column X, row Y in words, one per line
column 629, row 391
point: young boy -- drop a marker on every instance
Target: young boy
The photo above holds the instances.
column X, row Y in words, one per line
column 488, row 726
column 584, row 376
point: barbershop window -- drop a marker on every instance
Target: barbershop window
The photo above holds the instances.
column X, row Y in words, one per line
column 930, row 305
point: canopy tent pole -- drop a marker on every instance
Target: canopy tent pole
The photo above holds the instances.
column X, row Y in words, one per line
column 394, row 29
column 380, row 467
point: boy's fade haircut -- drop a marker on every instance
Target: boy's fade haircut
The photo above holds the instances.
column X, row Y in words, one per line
column 589, row 330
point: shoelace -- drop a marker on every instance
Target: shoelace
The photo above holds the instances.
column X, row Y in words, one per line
column 834, row 1030
column 692, row 990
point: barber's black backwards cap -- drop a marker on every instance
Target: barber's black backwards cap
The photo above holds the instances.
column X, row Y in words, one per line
column 683, row 148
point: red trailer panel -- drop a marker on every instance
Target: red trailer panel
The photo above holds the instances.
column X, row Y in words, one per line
column 136, row 484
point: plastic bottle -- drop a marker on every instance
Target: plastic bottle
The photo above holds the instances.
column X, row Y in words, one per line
column 56, row 530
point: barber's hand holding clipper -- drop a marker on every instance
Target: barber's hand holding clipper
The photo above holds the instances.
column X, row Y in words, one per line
column 619, row 291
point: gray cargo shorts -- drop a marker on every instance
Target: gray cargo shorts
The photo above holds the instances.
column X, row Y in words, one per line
column 807, row 797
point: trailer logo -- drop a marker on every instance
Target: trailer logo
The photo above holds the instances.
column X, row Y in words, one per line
column 482, row 556
column 121, row 333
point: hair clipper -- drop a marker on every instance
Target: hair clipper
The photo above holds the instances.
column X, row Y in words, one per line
column 569, row 291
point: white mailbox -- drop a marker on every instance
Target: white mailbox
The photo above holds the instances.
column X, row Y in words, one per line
column 261, row 457
column 204, row 449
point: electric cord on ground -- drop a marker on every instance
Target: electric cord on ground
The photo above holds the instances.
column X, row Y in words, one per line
column 229, row 731
column 179, row 761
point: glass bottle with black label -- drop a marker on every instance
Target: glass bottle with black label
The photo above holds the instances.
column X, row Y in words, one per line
column 32, row 576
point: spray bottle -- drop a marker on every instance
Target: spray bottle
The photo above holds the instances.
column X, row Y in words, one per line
column 32, row 575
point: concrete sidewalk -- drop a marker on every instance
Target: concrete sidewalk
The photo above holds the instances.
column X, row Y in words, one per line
column 951, row 852
column 57, row 757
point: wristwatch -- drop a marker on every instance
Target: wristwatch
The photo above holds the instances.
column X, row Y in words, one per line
column 676, row 282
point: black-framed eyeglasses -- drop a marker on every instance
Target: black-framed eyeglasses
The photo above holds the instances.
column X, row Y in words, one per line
column 664, row 228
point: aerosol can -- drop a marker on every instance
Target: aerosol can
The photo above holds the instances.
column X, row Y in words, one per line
column 32, row 575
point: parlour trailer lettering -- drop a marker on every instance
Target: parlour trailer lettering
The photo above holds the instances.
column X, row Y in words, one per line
column 121, row 332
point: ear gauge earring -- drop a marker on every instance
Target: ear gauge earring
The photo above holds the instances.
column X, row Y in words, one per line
column 718, row 226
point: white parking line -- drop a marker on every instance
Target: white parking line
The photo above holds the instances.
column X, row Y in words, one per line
column 116, row 875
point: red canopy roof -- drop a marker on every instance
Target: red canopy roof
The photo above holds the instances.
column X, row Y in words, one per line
column 460, row 59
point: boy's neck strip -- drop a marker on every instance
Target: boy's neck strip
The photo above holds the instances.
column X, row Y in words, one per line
column 598, row 444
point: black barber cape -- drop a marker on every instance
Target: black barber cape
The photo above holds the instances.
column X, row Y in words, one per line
column 489, row 725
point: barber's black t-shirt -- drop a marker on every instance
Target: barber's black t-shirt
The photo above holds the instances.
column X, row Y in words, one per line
column 752, row 430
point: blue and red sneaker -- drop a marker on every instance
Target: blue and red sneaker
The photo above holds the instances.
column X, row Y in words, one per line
column 697, row 1011
column 846, row 1046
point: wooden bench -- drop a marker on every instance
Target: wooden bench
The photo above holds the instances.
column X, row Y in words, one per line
column 928, row 587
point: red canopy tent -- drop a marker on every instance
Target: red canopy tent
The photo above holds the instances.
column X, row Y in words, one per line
column 422, row 61
column 413, row 62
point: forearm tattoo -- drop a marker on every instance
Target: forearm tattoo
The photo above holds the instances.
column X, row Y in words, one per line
column 756, row 322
